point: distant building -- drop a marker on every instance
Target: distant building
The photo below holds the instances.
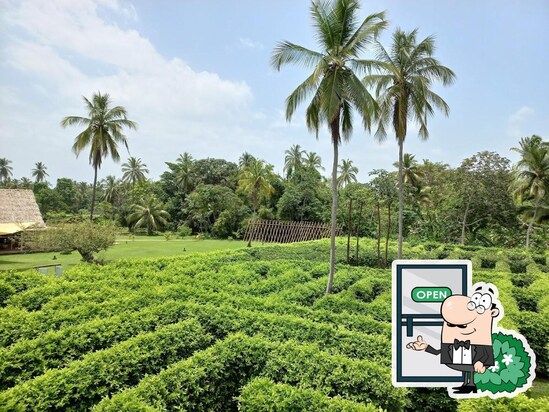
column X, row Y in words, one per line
column 18, row 212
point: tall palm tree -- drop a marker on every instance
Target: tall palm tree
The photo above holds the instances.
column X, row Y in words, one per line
column 313, row 161
column 102, row 134
column 110, row 188
column 411, row 174
column 347, row 173
column 39, row 172
column 333, row 84
column 25, row 183
column 403, row 87
column 293, row 159
column 148, row 213
column 532, row 175
column 134, row 171
column 246, row 159
column 184, row 176
column 256, row 180
column 6, row 171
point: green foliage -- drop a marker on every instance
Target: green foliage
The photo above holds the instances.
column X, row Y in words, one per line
column 263, row 394
column 6, row 290
column 86, row 238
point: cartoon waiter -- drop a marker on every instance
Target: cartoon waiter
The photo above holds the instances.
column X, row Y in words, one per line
column 466, row 342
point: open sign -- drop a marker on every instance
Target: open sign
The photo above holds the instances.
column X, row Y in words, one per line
column 430, row 294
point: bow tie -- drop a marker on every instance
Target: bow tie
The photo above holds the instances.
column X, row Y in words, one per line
column 461, row 344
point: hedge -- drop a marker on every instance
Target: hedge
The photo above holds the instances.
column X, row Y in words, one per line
column 264, row 395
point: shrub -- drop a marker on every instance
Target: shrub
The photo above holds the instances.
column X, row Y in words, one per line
column 6, row 290
column 184, row 231
column 535, row 328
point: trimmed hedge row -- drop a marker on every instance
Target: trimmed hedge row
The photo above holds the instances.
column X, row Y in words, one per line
column 264, row 395
column 210, row 380
column 84, row 382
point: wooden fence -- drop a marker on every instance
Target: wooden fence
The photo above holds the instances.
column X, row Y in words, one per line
column 276, row 231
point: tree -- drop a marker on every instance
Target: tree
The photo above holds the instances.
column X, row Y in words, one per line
column 333, row 84
column 403, row 87
column 293, row 159
column 6, row 171
column 25, row 183
column 39, row 172
column 313, row 161
column 149, row 213
column 347, row 173
column 102, row 134
column 255, row 179
column 532, row 175
column 184, row 174
column 134, row 171
column 86, row 238
column 410, row 170
column 246, row 159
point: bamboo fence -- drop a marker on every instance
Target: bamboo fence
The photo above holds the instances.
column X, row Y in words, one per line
column 276, row 231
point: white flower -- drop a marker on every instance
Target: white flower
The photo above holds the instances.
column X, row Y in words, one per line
column 495, row 367
column 507, row 359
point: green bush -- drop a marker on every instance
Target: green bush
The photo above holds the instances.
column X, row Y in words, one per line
column 535, row 328
column 264, row 395
column 184, row 231
column 6, row 291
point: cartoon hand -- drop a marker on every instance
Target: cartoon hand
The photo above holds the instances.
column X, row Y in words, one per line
column 479, row 367
column 419, row 344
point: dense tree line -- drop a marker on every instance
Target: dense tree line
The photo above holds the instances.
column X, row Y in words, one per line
column 485, row 200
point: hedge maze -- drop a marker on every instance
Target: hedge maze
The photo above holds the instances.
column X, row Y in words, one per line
column 247, row 330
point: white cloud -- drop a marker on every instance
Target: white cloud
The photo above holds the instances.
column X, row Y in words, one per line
column 516, row 121
column 250, row 44
column 65, row 47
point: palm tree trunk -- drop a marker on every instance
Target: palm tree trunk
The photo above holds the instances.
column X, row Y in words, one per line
column 93, row 193
column 378, row 235
column 400, row 196
column 349, row 228
column 358, row 232
column 334, row 125
column 464, row 222
column 388, row 233
column 531, row 224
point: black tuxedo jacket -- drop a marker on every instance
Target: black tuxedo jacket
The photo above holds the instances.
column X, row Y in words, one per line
column 480, row 353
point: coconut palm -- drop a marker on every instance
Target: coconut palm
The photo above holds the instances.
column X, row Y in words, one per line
column 347, row 173
column 148, row 213
column 39, row 172
column 403, row 86
column 313, row 161
column 184, row 176
column 532, row 175
column 245, row 160
column 293, row 159
column 6, row 171
column 134, row 171
column 410, row 170
column 256, row 180
column 102, row 134
column 333, row 84
column 110, row 189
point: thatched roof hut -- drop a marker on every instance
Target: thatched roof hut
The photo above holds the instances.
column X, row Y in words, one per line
column 19, row 211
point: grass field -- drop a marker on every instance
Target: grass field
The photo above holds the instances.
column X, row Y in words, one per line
column 124, row 247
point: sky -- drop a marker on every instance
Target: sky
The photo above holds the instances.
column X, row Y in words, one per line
column 196, row 77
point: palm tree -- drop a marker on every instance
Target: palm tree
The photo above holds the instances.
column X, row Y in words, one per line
column 410, row 170
column 293, row 159
column 532, row 175
column 256, row 180
column 333, row 84
column 245, row 160
column 347, row 173
column 6, row 171
column 148, row 213
column 184, row 176
column 39, row 172
column 103, row 133
column 134, row 171
column 313, row 161
column 110, row 189
column 403, row 85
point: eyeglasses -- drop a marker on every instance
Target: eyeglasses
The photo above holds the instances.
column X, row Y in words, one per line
column 480, row 303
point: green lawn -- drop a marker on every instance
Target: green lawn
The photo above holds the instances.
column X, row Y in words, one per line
column 124, row 247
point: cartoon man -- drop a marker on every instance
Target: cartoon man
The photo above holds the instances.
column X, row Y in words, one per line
column 466, row 342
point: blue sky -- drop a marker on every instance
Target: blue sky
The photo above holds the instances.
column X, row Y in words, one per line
column 195, row 76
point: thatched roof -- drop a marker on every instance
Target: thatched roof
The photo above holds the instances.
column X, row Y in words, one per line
column 19, row 210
